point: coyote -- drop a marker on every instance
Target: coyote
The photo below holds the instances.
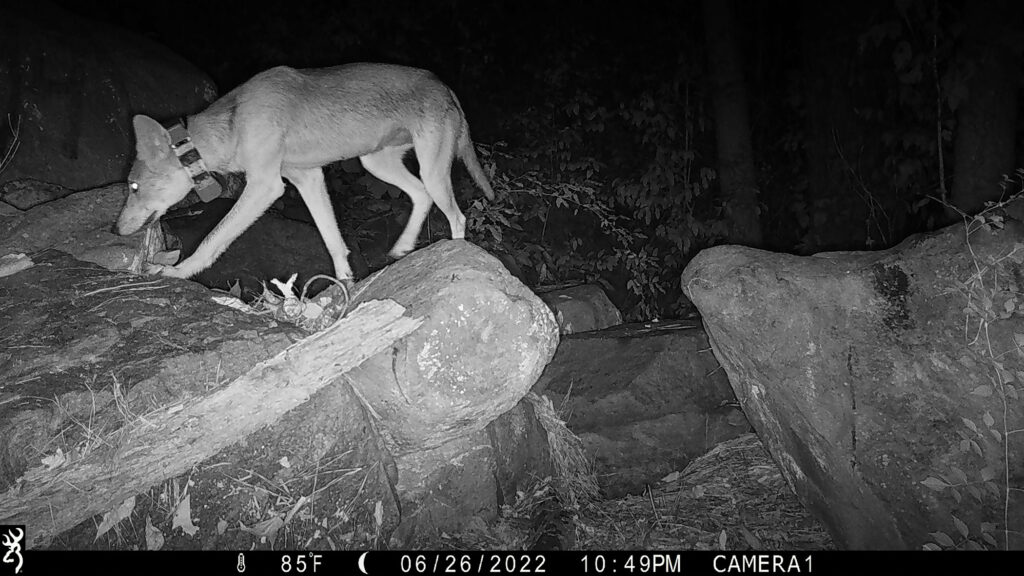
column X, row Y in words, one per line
column 290, row 123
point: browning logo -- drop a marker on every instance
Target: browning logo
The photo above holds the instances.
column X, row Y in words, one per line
column 11, row 538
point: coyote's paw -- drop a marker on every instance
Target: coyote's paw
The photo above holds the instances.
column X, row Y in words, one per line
column 348, row 283
column 153, row 269
column 163, row 270
column 397, row 253
column 162, row 263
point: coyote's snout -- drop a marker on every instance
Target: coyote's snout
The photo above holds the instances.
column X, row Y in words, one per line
column 290, row 123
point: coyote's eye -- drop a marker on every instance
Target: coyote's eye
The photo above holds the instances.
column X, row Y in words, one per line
column 133, row 186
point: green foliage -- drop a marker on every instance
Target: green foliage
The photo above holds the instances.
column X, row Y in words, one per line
column 529, row 220
column 566, row 218
column 985, row 442
column 911, row 101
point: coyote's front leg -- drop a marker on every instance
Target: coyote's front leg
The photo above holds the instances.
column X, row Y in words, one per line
column 310, row 184
column 257, row 197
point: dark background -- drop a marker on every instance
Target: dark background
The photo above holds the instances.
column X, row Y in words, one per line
column 605, row 122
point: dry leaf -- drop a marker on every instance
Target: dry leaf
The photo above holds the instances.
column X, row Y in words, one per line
column 154, row 537
column 265, row 529
column 166, row 258
column 111, row 518
column 14, row 263
column 54, row 460
column 183, row 516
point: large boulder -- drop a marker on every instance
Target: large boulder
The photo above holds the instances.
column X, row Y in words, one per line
column 885, row 384
column 464, row 483
column 645, row 399
column 582, row 308
column 485, row 340
column 80, row 224
column 70, row 86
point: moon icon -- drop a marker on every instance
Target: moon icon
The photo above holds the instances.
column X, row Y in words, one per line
column 362, row 562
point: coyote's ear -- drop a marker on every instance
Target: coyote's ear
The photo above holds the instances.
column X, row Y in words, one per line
column 151, row 139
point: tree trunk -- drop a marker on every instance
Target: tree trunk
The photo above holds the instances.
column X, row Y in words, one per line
column 119, row 382
column 732, row 124
column 841, row 209
column 987, row 118
column 167, row 443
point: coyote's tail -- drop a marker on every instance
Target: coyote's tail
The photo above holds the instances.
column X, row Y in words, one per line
column 465, row 151
column 468, row 155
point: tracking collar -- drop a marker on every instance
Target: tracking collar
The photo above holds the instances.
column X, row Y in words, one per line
column 206, row 185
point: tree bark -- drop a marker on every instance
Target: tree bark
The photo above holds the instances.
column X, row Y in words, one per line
column 987, row 119
column 736, row 170
column 162, row 445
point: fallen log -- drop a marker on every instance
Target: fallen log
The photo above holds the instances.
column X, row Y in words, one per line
column 485, row 340
column 158, row 446
column 87, row 349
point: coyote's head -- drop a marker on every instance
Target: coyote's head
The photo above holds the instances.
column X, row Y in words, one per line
column 157, row 179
